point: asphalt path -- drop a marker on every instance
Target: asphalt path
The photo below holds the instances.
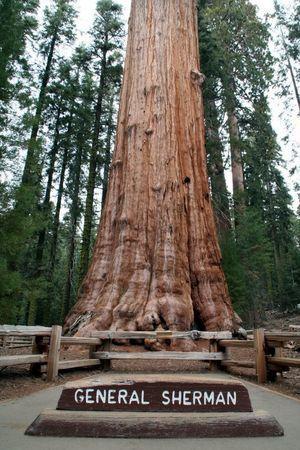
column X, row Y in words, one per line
column 17, row 415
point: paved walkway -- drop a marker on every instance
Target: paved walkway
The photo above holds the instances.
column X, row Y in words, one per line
column 16, row 415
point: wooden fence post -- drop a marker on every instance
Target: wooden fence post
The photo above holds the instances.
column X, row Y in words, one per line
column 39, row 346
column 106, row 363
column 261, row 362
column 54, row 351
column 213, row 347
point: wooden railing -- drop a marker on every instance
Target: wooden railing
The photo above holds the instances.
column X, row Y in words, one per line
column 48, row 342
column 269, row 353
column 35, row 338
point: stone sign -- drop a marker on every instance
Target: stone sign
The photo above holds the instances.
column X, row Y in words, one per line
column 151, row 395
column 154, row 406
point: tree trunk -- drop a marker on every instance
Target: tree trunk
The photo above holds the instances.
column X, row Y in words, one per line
column 294, row 82
column 107, row 156
column 236, row 155
column 291, row 70
column 75, row 214
column 46, row 202
column 236, row 161
column 88, row 213
column 156, row 260
column 216, row 169
column 59, row 197
column 32, row 169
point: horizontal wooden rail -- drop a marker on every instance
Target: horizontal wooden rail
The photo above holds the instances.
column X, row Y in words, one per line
column 236, row 343
column 195, row 356
column 294, row 327
column 26, row 333
column 239, row 363
column 71, row 364
column 283, row 336
column 79, row 340
column 16, row 360
column 194, row 334
column 20, row 330
column 282, row 361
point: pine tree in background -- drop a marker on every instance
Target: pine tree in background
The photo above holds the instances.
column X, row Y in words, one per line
column 290, row 41
column 83, row 129
column 214, row 116
column 22, row 222
column 109, row 134
column 107, row 35
column 18, row 22
column 244, row 67
column 58, row 28
column 238, row 67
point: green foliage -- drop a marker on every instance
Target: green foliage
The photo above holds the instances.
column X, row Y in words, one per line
column 260, row 254
column 248, row 264
column 240, row 45
column 106, row 60
column 59, row 22
column 18, row 22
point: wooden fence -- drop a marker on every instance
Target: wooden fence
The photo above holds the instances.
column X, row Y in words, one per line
column 45, row 357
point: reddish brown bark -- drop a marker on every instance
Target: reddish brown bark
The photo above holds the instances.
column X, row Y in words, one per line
column 156, row 260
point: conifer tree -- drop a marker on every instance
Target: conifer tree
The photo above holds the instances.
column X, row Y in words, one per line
column 245, row 69
column 107, row 34
column 58, row 28
column 18, row 22
column 290, row 41
column 83, row 127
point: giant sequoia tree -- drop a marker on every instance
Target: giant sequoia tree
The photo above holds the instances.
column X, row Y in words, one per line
column 156, row 260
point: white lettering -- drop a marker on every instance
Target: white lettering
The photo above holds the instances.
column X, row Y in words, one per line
column 231, row 397
column 220, row 399
column 79, row 398
column 111, row 397
column 143, row 401
column 122, row 396
column 88, row 396
column 134, row 398
column 166, row 398
column 186, row 398
column 197, row 397
column 209, row 398
column 178, row 398
column 101, row 396
column 175, row 397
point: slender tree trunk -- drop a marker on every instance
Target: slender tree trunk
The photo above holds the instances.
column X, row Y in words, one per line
column 46, row 202
column 88, row 213
column 216, row 169
column 297, row 95
column 107, row 156
column 60, row 193
column 74, row 213
column 31, row 173
column 294, row 82
column 156, row 260
column 236, row 162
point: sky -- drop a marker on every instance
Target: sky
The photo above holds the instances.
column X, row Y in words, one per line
column 284, row 122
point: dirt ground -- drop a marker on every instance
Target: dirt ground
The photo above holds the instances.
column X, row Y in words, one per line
column 18, row 381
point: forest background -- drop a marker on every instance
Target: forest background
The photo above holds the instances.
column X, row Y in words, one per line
column 59, row 89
